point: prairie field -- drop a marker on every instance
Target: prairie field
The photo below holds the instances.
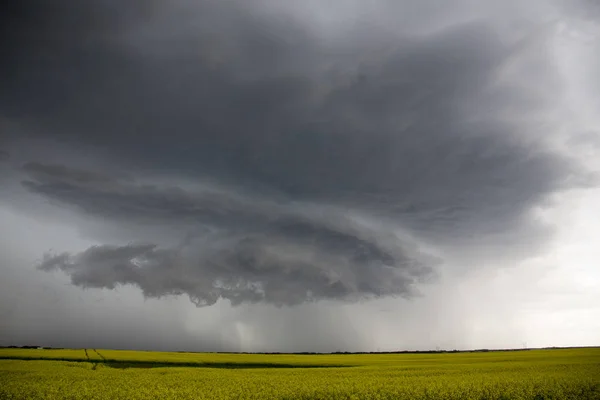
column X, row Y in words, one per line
column 119, row 374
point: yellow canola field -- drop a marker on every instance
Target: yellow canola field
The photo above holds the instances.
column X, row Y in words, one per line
column 116, row 374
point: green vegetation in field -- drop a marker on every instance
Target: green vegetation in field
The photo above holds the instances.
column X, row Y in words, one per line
column 535, row 374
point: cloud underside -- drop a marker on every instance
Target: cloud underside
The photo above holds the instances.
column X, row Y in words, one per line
column 307, row 157
column 245, row 273
column 244, row 249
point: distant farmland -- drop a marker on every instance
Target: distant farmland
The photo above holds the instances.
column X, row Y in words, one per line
column 118, row 374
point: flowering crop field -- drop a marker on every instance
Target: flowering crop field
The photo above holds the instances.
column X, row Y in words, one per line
column 116, row 374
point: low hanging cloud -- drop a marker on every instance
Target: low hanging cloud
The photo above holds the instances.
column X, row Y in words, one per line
column 248, row 249
column 321, row 161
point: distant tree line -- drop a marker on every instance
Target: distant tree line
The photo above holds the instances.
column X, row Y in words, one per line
column 335, row 352
column 31, row 347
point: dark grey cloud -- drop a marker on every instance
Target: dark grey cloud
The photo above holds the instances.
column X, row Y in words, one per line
column 310, row 154
column 36, row 310
column 240, row 248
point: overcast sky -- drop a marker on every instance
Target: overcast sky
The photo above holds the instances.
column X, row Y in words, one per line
column 300, row 176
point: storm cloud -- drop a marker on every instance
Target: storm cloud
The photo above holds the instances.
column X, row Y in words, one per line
column 291, row 162
column 237, row 247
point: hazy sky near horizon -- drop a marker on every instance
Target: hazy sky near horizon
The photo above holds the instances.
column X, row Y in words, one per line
column 300, row 176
